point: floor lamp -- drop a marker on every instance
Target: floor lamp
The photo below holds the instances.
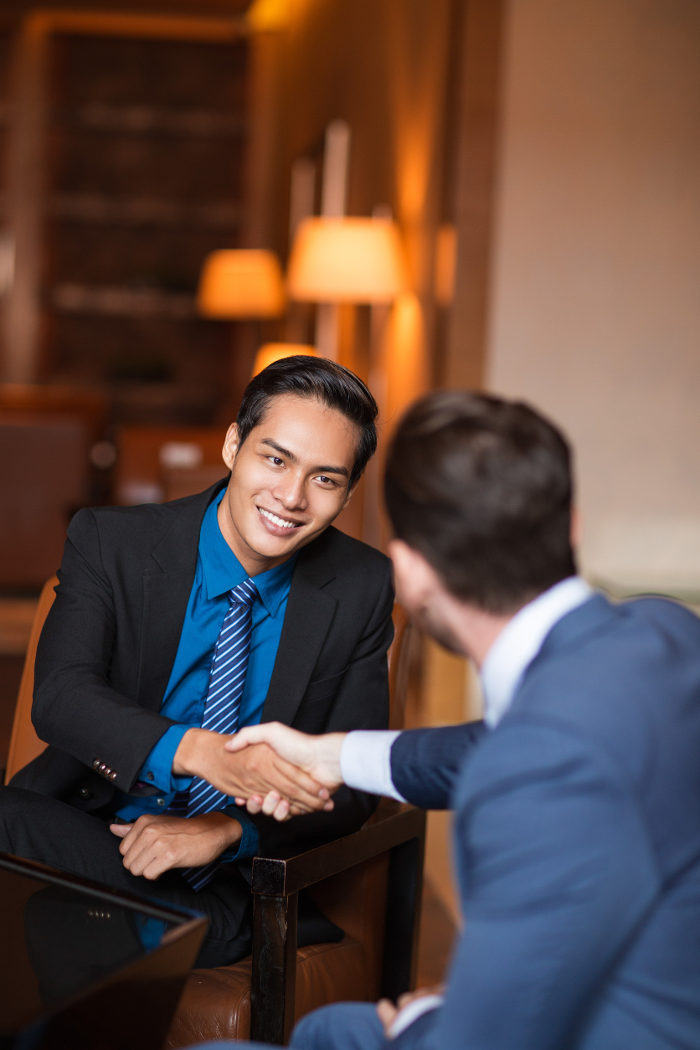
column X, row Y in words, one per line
column 350, row 260
column 344, row 260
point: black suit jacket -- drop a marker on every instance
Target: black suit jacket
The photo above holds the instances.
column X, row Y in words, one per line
column 107, row 648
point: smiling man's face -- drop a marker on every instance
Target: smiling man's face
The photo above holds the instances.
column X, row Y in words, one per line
column 289, row 480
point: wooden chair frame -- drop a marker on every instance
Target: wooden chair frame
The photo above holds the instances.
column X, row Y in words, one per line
column 396, row 829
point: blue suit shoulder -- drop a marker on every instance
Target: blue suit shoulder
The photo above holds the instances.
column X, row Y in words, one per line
column 622, row 676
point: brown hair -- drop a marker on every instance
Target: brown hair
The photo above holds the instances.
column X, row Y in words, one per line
column 482, row 488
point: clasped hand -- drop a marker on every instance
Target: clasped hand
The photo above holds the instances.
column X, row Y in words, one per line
column 250, row 770
column 156, row 843
column 317, row 756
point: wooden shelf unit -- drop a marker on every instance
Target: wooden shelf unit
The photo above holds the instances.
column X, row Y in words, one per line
column 137, row 129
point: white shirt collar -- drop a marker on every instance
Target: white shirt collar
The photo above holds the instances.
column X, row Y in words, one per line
column 520, row 641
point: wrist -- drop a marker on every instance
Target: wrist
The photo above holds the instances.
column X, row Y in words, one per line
column 218, row 829
column 187, row 757
column 330, row 755
column 229, row 829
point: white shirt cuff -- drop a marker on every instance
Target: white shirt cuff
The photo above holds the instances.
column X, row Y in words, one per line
column 365, row 761
column 410, row 1013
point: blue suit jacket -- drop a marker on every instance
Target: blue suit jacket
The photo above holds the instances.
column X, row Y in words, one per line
column 577, row 843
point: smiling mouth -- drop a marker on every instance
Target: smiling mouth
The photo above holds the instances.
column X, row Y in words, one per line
column 275, row 519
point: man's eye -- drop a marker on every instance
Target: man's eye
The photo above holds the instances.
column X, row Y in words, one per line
column 325, row 480
column 275, row 460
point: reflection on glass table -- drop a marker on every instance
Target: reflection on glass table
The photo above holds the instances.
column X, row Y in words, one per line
column 85, row 966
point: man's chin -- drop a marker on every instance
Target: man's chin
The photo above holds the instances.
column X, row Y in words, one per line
column 439, row 632
column 279, row 548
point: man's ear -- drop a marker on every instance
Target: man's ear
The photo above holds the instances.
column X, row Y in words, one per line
column 415, row 579
column 401, row 555
column 231, row 445
column 348, row 495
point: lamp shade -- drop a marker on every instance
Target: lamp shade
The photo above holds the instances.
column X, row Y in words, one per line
column 241, row 283
column 271, row 352
column 346, row 260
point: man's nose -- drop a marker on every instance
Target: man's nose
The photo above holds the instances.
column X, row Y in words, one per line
column 291, row 491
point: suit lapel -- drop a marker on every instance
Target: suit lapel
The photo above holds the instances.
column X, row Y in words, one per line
column 310, row 612
column 166, row 590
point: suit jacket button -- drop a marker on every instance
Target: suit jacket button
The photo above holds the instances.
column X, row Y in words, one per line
column 112, row 775
column 85, row 792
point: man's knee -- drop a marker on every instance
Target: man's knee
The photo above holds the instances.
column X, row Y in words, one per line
column 15, row 805
column 36, row 826
column 15, row 811
column 340, row 1026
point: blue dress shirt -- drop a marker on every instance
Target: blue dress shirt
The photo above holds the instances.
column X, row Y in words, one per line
column 217, row 571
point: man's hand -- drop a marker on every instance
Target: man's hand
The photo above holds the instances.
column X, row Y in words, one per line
column 254, row 771
column 319, row 756
column 390, row 1013
column 154, row 844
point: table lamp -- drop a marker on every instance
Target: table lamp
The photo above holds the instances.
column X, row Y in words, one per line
column 238, row 283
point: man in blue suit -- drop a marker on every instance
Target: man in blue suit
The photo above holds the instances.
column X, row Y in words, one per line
column 577, row 803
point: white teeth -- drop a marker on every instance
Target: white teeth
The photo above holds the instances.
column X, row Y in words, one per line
column 275, row 520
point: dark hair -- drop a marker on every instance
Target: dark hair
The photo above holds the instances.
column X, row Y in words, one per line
column 319, row 378
column 482, row 488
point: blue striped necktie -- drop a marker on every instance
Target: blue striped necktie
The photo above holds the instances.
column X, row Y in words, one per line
column 221, row 707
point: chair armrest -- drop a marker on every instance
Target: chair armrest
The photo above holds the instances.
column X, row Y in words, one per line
column 390, row 825
column 395, row 828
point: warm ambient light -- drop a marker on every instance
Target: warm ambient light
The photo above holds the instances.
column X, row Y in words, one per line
column 276, row 351
column 241, row 283
column 345, row 260
column 268, row 15
column 445, row 263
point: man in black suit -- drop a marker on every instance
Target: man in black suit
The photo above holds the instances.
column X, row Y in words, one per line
column 123, row 661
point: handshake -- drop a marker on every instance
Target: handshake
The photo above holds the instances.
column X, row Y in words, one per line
column 301, row 771
column 269, row 768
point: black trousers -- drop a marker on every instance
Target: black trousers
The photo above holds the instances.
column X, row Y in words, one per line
column 38, row 827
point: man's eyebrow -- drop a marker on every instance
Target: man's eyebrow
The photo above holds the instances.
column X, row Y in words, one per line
column 343, row 471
